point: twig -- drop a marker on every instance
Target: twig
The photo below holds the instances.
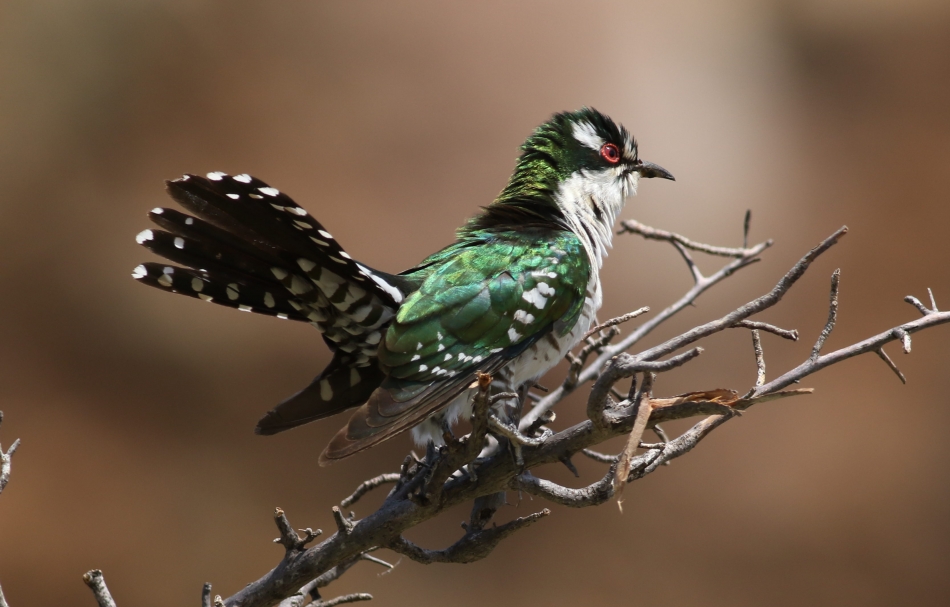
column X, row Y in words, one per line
column 6, row 461
column 97, row 583
column 289, row 538
column 206, row 595
column 764, row 326
column 473, row 546
column 340, row 600
column 832, row 315
column 759, row 358
column 890, row 363
column 367, row 486
column 635, row 227
column 617, row 321
column 3, row 600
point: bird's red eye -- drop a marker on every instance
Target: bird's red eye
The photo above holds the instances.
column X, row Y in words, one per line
column 610, row 153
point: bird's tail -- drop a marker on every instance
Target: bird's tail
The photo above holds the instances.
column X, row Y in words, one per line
column 249, row 246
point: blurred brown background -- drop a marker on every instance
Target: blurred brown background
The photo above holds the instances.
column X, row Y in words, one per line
column 392, row 122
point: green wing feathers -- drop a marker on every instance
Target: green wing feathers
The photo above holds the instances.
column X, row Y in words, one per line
column 478, row 308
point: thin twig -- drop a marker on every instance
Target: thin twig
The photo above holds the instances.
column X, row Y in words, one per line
column 97, row 583
column 832, row 315
column 206, row 595
column 367, row 486
column 890, row 363
column 759, row 358
column 616, row 321
column 6, row 460
column 635, row 227
column 764, row 326
column 340, row 600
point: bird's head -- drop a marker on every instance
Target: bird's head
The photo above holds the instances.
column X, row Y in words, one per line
column 575, row 170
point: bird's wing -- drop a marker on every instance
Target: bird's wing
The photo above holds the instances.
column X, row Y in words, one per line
column 476, row 311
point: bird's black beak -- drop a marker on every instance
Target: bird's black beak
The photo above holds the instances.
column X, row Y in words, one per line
column 648, row 169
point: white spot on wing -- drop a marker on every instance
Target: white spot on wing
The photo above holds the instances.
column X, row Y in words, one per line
column 513, row 335
column 545, row 289
column 534, row 297
column 523, row 317
column 414, row 358
column 326, row 392
column 423, row 368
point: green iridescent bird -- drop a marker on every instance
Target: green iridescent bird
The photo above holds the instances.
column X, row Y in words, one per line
column 511, row 296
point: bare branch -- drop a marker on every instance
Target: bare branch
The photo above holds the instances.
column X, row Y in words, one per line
column 933, row 302
column 916, row 303
column 97, row 583
column 597, row 456
column 617, row 321
column 871, row 344
column 206, row 595
column 340, row 600
column 3, row 600
column 635, row 227
column 6, row 460
column 367, row 486
column 289, row 538
column 591, row 495
column 473, row 546
column 764, row 326
column 890, row 363
column 759, row 358
column 832, row 315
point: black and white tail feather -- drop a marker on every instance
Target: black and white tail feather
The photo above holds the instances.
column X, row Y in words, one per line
column 250, row 247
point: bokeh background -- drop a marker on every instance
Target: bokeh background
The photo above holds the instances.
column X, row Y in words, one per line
column 392, row 122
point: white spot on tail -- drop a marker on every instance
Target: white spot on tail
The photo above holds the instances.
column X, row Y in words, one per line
column 306, row 265
column 243, row 178
column 269, row 191
column 269, row 300
column 414, row 358
column 354, row 377
column 325, row 234
column 232, row 291
column 216, row 176
column 197, row 285
column 158, row 210
column 179, row 243
column 189, row 221
column 279, row 273
column 326, row 392
column 144, row 235
column 233, row 196
column 139, row 272
column 244, row 308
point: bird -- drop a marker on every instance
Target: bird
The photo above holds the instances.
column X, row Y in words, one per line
column 511, row 296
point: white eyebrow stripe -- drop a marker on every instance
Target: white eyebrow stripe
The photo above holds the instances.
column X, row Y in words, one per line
column 585, row 133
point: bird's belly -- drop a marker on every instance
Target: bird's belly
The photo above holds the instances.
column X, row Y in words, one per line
column 545, row 353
